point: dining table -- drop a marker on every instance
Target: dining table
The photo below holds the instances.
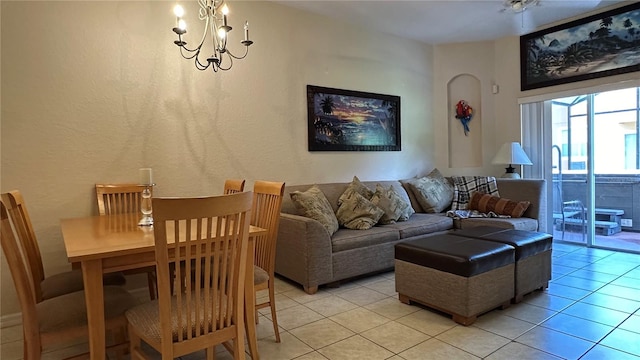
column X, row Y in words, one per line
column 110, row 243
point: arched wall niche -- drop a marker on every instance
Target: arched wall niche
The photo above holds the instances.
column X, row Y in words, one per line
column 464, row 150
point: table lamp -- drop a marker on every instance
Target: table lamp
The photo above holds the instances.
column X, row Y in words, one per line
column 511, row 153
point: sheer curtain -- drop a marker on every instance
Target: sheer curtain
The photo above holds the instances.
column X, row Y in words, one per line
column 536, row 142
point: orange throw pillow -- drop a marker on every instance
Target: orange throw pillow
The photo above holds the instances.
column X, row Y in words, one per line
column 487, row 203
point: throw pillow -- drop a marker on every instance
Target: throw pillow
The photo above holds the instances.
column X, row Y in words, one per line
column 486, row 203
column 314, row 205
column 358, row 213
column 394, row 206
column 358, row 187
column 465, row 186
column 433, row 192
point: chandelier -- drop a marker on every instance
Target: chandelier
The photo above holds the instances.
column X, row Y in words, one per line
column 214, row 14
column 518, row 6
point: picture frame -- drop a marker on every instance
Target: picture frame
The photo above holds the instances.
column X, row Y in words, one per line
column 347, row 120
column 599, row 45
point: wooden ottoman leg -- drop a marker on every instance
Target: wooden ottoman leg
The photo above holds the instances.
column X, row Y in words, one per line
column 404, row 299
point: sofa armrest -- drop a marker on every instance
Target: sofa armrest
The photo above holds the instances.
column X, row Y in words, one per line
column 304, row 251
column 532, row 190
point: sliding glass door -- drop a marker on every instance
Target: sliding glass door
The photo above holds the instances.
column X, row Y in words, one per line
column 588, row 147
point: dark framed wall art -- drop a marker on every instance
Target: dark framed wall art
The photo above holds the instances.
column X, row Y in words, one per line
column 600, row 45
column 346, row 120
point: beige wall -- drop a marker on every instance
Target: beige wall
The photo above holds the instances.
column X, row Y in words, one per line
column 93, row 91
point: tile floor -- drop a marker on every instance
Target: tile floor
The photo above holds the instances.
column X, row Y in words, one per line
column 590, row 311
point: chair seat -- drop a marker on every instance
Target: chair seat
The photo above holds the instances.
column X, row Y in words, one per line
column 70, row 310
column 146, row 318
column 260, row 276
column 71, row 281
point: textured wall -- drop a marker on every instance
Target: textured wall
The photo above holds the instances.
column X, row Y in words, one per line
column 92, row 91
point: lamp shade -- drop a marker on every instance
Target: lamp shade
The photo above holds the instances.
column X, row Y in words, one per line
column 511, row 153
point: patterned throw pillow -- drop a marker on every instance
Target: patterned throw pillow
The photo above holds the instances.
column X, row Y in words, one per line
column 358, row 213
column 314, row 205
column 486, row 203
column 358, row 187
column 465, row 186
column 394, row 206
column 433, row 192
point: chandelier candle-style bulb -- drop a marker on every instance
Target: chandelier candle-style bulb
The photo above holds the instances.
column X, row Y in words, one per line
column 215, row 38
column 225, row 12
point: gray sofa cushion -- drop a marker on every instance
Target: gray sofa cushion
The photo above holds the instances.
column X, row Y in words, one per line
column 347, row 239
column 420, row 224
column 356, row 212
column 521, row 223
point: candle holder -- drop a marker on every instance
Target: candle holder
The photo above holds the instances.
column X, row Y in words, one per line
column 145, row 206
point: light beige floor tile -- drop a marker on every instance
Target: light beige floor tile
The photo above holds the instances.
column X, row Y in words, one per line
column 297, row 316
column 384, row 286
column 362, row 296
column 311, row 356
column 548, row 301
column 355, row 348
column 330, row 305
column 514, row 350
column 473, row 340
column 302, row 297
column 321, row 333
column 395, row 337
column 289, row 348
column 344, row 287
column 11, row 350
column 282, row 302
column 529, row 313
column 264, row 328
column 556, row 343
column 428, row 322
column 280, row 285
column 65, row 352
column 359, row 319
column 11, row 333
column 369, row 279
column 503, row 325
column 392, row 308
column 434, row 349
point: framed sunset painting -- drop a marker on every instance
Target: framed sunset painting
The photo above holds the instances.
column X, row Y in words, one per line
column 346, row 120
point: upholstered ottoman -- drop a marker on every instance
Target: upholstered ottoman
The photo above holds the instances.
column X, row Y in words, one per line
column 533, row 255
column 460, row 276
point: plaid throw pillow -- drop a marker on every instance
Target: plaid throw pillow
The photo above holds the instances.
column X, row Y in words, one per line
column 465, row 186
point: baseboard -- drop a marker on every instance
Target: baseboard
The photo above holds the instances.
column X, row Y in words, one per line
column 9, row 320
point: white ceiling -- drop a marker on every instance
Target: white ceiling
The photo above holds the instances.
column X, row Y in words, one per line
column 449, row 21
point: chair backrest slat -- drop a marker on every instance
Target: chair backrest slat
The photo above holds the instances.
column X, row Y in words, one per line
column 17, row 210
column 119, row 198
column 267, row 203
column 232, row 186
column 213, row 237
column 22, row 281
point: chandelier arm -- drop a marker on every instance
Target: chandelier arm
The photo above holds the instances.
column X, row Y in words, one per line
column 200, row 66
column 228, row 67
column 246, row 52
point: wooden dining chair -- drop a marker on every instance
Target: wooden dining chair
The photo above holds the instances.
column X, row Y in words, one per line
column 213, row 235
column 51, row 322
column 232, row 186
column 267, row 202
column 116, row 199
column 44, row 287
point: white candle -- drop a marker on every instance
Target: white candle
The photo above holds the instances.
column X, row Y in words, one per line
column 146, row 176
column 246, row 30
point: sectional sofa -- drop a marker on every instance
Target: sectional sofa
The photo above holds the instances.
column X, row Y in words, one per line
column 309, row 256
